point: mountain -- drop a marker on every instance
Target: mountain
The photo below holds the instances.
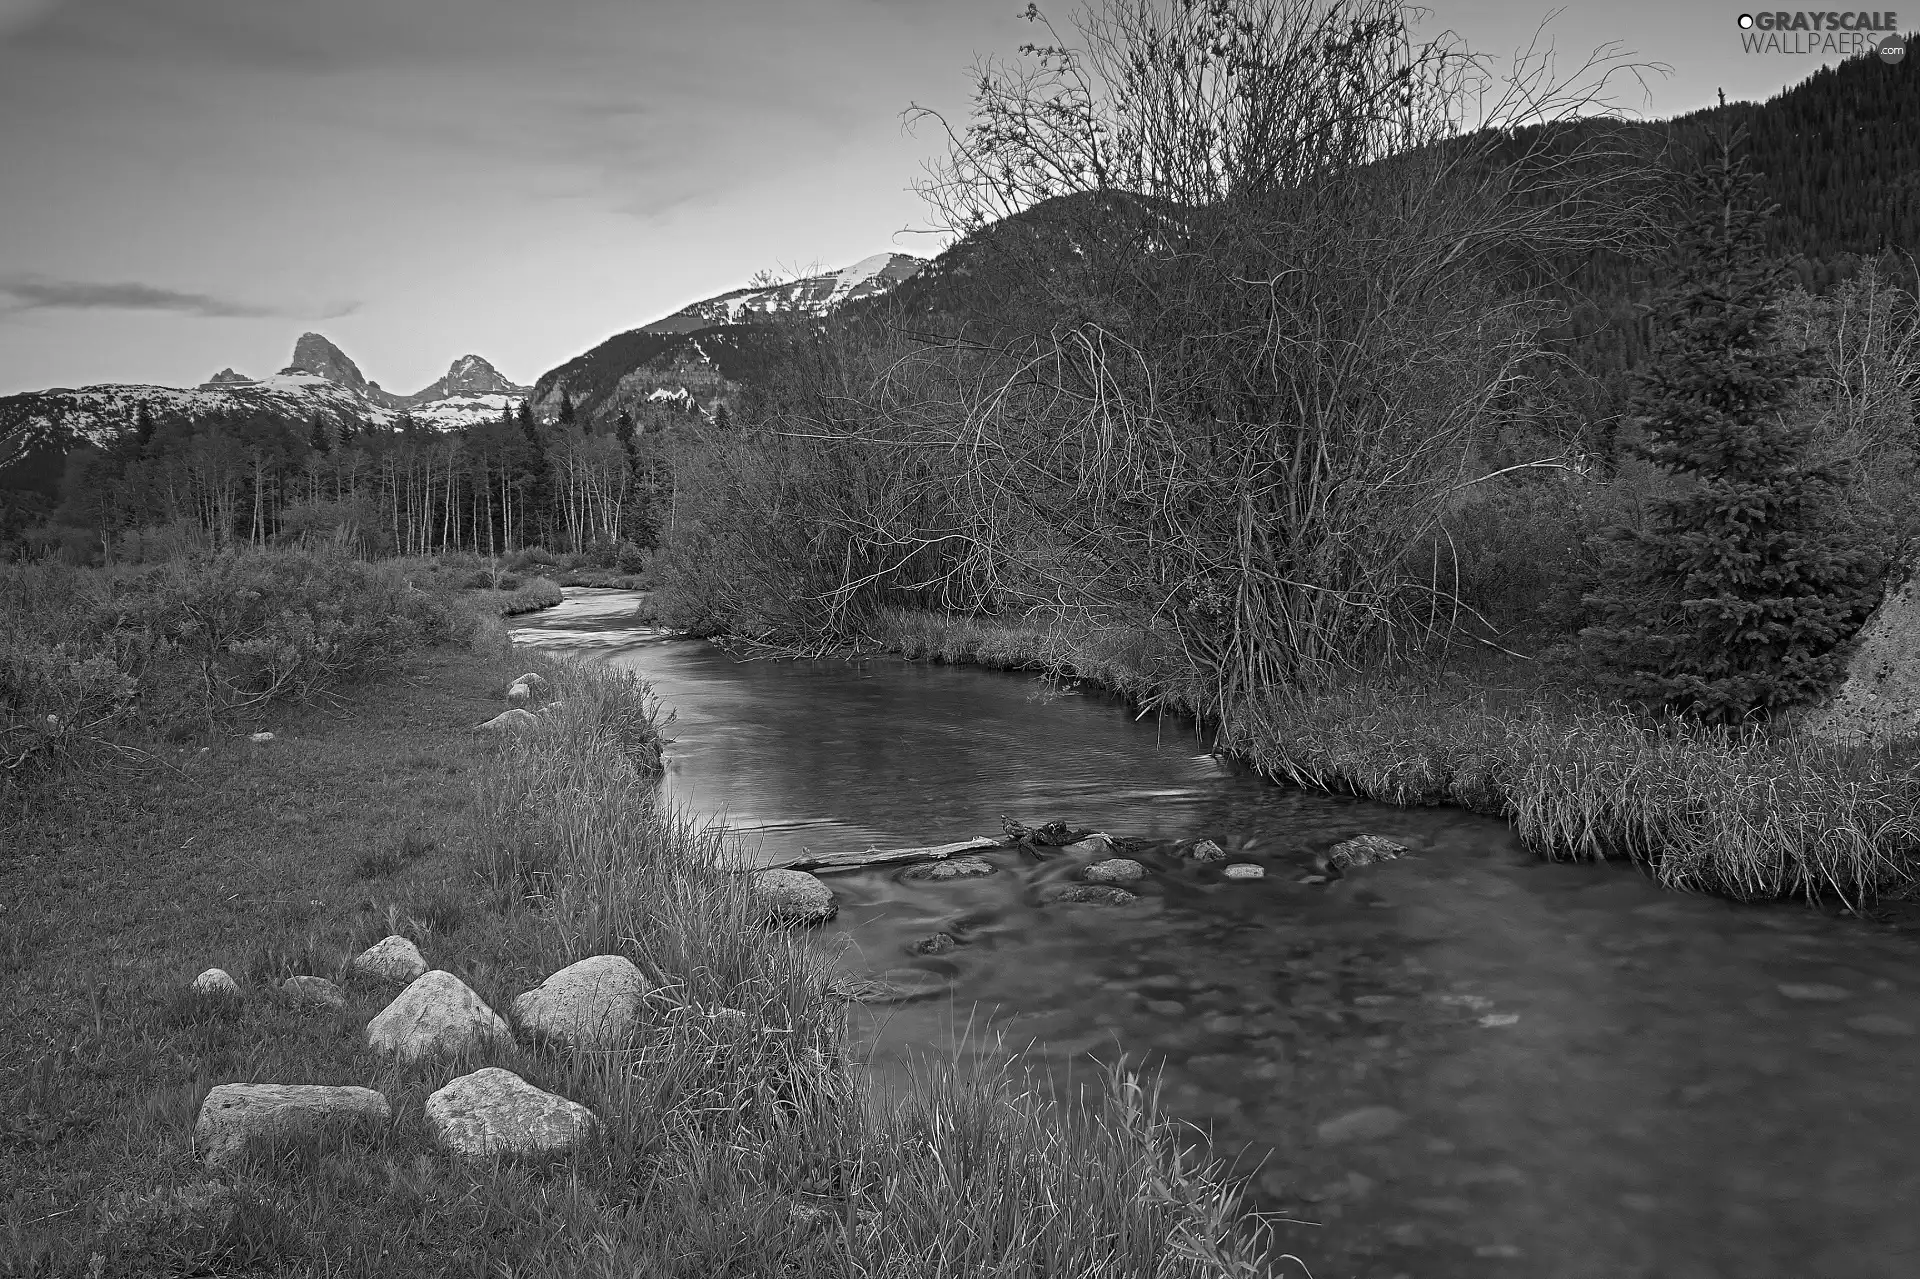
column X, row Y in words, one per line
column 37, row 428
column 703, row 351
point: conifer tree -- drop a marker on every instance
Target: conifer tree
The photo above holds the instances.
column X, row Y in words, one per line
column 1735, row 598
column 317, row 435
column 143, row 425
column 566, row 409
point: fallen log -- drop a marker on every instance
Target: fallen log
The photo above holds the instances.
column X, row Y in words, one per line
column 886, row 856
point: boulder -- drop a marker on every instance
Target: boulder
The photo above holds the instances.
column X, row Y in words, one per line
column 1878, row 702
column 1207, row 851
column 591, row 1004
column 495, row 1112
column 234, row 1112
column 1364, row 850
column 534, row 680
column 1098, row 844
column 958, row 868
column 1086, row 894
column 260, row 737
column 215, row 981
column 314, row 990
column 519, row 695
column 1245, row 870
column 437, row 1016
column 1117, row 870
column 793, row 896
column 516, row 720
column 391, row 958
column 932, row 944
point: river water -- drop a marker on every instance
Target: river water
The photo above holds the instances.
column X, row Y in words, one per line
column 1462, row 1063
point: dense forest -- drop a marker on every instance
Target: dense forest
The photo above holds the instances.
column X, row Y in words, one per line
column 221, row 481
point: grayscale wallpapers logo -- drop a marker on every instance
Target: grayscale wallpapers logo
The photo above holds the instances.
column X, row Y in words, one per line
column 1845, row 35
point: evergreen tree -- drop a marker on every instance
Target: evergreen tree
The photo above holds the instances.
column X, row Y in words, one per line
column 317, row 435
column 1736, row 597
column 536, row 474
column 143, row 425
column 623, row 428
column 721, row 418
column 566, row 409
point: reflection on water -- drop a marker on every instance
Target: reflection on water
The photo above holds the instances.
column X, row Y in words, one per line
column 1460, row 1064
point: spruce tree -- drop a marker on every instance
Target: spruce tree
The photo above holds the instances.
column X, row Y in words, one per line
column 566, row 409
column 143, row 425
column 317, row 435
column 1737, row 595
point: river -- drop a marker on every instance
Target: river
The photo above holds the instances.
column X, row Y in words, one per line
column 1462, row 1063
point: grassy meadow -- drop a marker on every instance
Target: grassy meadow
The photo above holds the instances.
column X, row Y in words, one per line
column 170, row 842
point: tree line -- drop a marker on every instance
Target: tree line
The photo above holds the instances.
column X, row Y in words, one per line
column 234, row 479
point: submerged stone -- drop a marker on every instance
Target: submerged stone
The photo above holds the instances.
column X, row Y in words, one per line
column 1086, row 894
column 1364, row 850
column 958, row 868
column 1812, row 991
column 1879, row 1024
column 1369, row 1123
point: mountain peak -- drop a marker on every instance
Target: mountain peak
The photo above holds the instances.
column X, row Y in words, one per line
column 314, row 354
column 469, row 375
column 226, row 377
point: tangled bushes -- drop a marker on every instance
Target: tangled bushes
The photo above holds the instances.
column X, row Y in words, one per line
column 84, row 653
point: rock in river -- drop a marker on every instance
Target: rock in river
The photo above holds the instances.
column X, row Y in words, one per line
column 793, row 896
column 1088, row 894
column 958, row 868
column 1117, row 870
column 1364, row 850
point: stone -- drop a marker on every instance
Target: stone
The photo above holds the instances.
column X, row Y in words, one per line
column 512, row 721
column 314, row 990
column 519, row 695
column 1118, row 870
column 1085, row 894
column 392, row 958
column 793, row 896
column 234, row 1112
column 437, row 1016
column 1879, row 699
column 215, row 981
column 495, row 1112
column 534, row 681
column 1880, row 1024
column 1245, row 870
column 1493, row 1021
column 1364, row 850
column 1207, row 851
column 932, row 944
column 1369, row 1123
column 1811, row 991
column 895, row 986
column 592, row 1004
column 261, row 737
column 1096, row 844
column 957, row 868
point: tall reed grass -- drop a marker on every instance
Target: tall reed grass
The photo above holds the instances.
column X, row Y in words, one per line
column 1750, row 813
column 741, row 1135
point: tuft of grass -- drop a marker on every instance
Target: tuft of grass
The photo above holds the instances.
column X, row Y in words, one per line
column 384, row 860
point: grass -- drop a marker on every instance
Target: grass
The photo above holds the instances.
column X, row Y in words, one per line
column 742, row 1146
column 1749, row 814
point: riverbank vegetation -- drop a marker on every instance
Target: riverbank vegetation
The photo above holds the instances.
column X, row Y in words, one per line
column 1245, row 391
column 751, row 1148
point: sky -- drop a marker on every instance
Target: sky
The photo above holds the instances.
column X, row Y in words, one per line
column 187, row 185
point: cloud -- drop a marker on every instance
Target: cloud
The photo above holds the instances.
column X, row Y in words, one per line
column 36, row 293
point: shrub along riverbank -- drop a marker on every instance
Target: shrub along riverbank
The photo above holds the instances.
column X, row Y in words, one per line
column 1754, row 814
column 374, row 809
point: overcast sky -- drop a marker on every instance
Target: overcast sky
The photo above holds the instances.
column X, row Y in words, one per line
column 190, row 184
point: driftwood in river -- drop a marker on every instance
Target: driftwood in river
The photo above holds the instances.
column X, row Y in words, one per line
column 886, row 856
